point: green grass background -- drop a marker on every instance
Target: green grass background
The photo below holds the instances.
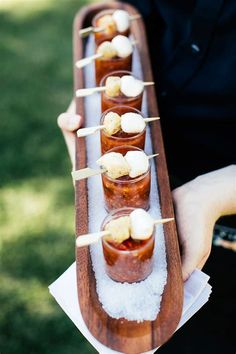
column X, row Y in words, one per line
column 36, row 193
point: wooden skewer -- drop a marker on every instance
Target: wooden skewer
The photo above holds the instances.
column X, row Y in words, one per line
column 84, row 32
column 88, row 239
column 90, row 172
column 86, row 172
column 152, row 156
column 163, row 221
column 85, row 61
column 91, row 90
column 89, row 131
column 148, row 83
column 134, row 17
column 82, row 132
column 151, row 119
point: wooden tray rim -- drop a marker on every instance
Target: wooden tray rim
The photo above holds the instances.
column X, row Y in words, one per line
column 83, row 261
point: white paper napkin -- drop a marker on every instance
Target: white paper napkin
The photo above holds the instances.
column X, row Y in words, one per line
column 64, row 290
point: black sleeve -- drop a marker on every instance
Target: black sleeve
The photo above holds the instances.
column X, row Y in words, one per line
column 144, row 7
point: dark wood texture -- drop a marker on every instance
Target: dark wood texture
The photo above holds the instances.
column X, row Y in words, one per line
column 126, row 336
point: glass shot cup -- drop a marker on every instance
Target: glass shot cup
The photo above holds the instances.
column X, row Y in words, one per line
column 109, row 33
column 131, row 261
column 109, row 102
column 108, row 142
column 126, row 191
column 105, row 66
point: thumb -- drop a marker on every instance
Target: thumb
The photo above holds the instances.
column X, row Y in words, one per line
column 69, row 121
column 195, row 248
column 191, row 257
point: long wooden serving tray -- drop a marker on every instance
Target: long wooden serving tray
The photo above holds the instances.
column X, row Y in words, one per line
column 125, row 336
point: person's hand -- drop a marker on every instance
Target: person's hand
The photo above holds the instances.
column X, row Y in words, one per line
column 198, row 205
column 69, row 122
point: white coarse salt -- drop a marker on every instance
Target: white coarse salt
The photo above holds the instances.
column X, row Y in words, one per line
column 137, row 301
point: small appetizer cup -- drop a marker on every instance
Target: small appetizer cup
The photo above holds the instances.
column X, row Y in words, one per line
column 104, row 66
column 126, row 191
column 109, row 102
column 108, row 142
column 109, row 33
column 130, row 261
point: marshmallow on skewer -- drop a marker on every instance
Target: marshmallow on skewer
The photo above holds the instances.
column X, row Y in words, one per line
column 122, row 45
column 122, row 20
column 126, row 84
column 141, row 224
column 138, row 225
column 119, row 21
column 113, row 87
column 132, row 123
column 130, row 86
column 138, row 163
column 119, row 229
column 115, row 164
column 112, row 123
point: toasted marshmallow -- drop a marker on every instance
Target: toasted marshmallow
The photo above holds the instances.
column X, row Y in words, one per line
column 121, row 19
column 115, row 164
column 119, row 229
column 107, row 22
column 112, row 123
column 141, row 224
column 138, row 163
column 132, row 123
column 107, row 50
column 130, row 86
column 112, row 86
column 122, row 46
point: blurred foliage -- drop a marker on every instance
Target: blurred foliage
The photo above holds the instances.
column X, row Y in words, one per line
column 36, row 193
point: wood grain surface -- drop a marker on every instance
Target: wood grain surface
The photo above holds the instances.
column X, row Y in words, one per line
column 126, row 336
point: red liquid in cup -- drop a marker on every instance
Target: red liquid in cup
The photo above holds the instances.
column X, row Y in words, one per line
column 109, row 33
column 108, row 102
column 130, row 261
column 126, row 191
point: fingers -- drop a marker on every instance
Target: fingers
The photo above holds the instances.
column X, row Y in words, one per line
column 194, row 257
column 203, row 260
column 69, row 122
column 195, row 227
column 190, row 259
